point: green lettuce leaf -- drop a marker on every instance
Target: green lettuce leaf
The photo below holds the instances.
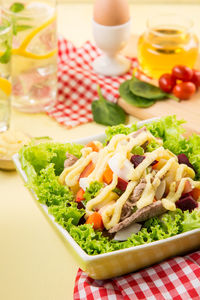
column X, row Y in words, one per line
column 48, row 189
column 191, row 220
column 39, row 156
column 118, row 129
column 92, row 191
column 65, row 213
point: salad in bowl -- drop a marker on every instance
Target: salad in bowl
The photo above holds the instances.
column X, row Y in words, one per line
column 138, row 186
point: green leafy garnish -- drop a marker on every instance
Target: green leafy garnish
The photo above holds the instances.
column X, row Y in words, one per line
column 118, row 129
column 92, row 191
column 5, row 58
column 142, row 94
column 117, row 191
column 19, row 28
column 107, row 113
column 146, row 90
column 129, row 97
column 137, row 150
column 191, row 220
column 17, row 7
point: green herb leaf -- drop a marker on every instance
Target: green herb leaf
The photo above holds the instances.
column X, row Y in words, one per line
column 19, row 28
column 146, row 90
column 137, row 150
column 5, row 58
column 130, row 98
column 118, row 191
column 17, row 7
column 107, row 113
column 92, row 191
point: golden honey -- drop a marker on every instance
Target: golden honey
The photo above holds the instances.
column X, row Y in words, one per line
column 162, row 47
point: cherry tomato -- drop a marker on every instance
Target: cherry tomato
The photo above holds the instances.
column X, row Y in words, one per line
column 196, row 78
column 167, row 82
column 184, row 90
column 182, row 72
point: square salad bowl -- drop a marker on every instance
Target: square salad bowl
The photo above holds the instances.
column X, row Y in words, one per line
column 119, row 262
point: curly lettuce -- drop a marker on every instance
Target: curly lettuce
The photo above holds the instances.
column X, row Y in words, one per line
column 155, row 229
column 44, row 162
column 92, row 191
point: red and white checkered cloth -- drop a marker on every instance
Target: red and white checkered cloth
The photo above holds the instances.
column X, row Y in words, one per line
column 77, row 83
column 175, row 279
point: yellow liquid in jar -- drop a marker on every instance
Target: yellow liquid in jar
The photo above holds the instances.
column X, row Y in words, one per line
column 160, row 49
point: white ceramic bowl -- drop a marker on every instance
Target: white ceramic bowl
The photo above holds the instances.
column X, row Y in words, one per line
column 123, row 261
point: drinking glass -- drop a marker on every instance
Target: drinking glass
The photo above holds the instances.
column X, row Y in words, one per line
column 34, row 53
column 168, row 41
column 5, row 71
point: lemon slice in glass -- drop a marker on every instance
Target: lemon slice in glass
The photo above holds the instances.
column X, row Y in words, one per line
column 5, row 86
column 38, row 44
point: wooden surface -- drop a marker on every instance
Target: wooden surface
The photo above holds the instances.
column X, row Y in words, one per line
column 189, row 110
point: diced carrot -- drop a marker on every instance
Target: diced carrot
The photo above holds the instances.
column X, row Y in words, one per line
column 93, row 146
column 195, row 194
column 80, row 195
column 96, row 220
column 155, row 166
column 108, row 175
column 87, row 171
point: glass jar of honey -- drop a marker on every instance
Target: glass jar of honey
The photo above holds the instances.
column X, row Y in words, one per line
column 168, row 41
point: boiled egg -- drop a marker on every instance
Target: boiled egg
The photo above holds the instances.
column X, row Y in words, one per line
column 111, row 12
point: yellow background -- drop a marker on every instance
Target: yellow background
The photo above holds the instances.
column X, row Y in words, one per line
column 34, row 264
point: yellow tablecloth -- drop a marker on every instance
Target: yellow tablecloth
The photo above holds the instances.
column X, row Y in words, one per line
column 34, row 264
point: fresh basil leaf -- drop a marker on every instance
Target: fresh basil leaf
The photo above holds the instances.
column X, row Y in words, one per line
column 107, row 113
column 17, row 7
column 5, row 58
column 130, row 98
column 146, row 90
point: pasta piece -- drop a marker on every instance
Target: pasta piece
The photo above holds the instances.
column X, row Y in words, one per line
column 118, row 207
column 72, row 177
column 150, row 157
column 148, row 193
column 184, row 171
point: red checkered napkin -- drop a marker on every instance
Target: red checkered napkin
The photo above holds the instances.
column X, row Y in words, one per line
column 77, row 84
column 175, row 279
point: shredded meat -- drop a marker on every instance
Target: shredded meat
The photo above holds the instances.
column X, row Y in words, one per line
column 133, row 198
column 143, row 214
column 71, row 159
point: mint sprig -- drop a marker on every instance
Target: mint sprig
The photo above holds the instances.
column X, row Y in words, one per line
column 5, row 58
column 17, row 7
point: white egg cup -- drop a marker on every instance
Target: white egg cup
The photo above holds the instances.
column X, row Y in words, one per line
column 111, row 39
